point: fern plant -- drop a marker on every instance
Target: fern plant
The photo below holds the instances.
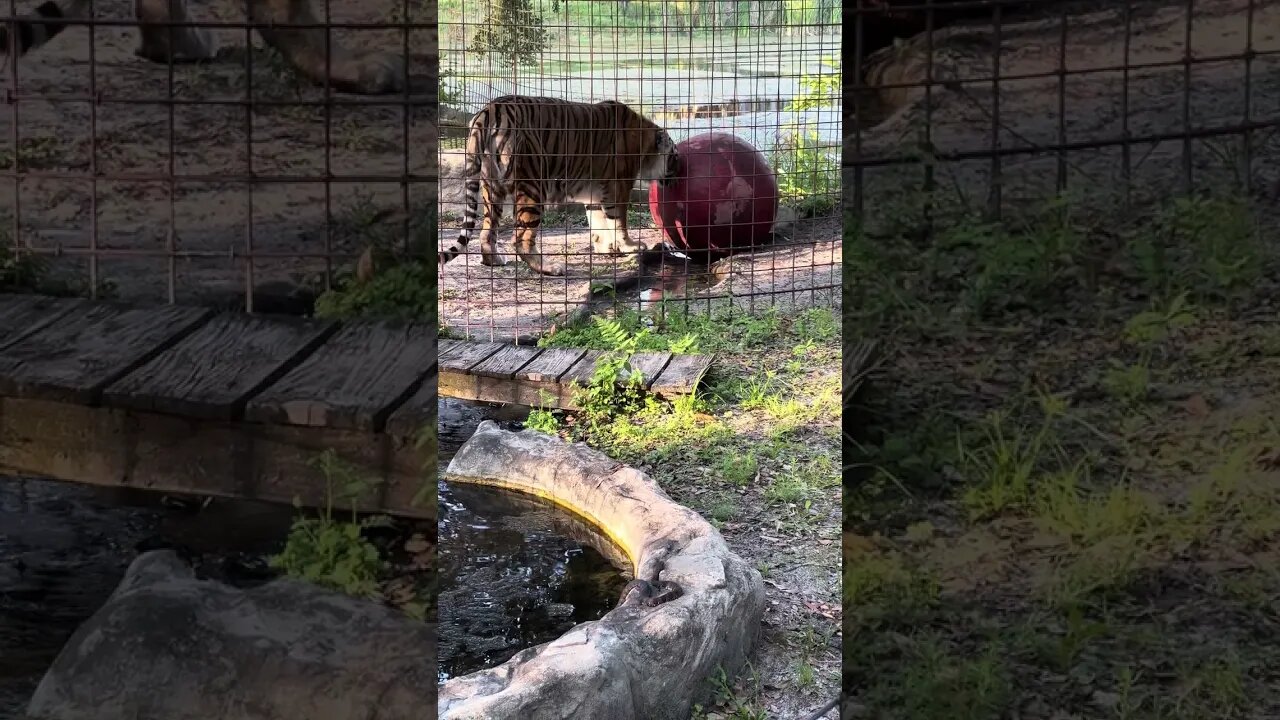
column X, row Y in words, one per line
column 616, row 386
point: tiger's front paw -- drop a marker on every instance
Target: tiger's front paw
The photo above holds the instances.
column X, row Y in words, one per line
column 599, row 245
column 610, row 246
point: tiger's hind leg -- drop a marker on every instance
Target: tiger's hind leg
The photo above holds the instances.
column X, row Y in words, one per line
column 164, row 44
column 493, row 200
column 528, row 219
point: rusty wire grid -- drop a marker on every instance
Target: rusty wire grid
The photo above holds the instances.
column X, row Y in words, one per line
column 764, row 71
column 233, row 180
column 998, row 105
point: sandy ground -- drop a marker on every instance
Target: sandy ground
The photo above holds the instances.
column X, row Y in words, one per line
column 961, row 115
column 512, row 301
column 211, row 220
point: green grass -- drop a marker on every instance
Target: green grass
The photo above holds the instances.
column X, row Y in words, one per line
column 1072, row 436
column 755, row 450
column 791, row 402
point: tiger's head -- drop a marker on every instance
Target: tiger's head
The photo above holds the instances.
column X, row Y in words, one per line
column 665, row 167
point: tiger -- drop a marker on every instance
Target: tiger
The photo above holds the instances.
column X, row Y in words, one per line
column 374, row 73
column 546, row 150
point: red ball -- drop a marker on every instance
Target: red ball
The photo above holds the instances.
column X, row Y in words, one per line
column 724, row 200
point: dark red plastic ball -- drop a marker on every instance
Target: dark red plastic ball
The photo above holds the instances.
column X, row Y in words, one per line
column 724, row 201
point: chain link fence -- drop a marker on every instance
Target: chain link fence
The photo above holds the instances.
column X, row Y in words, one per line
column 248, row 168
column 995, row 105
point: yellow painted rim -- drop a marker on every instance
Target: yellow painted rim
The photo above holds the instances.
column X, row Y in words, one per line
column 630, row 552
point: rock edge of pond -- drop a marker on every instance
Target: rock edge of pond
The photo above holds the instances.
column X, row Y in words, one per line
column 169, row 646
column 635, row 663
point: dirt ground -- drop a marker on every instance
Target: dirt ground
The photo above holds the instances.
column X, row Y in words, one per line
column 512, row 301
column 1062, row 497
column 212, row 218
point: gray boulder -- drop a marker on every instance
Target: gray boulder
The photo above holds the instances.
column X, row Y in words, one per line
column 168, row 646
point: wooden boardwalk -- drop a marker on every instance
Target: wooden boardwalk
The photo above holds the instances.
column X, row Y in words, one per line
column 526, row 375
column 185, row 399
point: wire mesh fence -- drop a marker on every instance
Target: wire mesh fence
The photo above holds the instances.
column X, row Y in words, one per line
column 1060, row 223
column 748, row 91
column 998, row 104
column 234, row 153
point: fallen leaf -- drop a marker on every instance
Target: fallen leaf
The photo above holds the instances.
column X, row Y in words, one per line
column 1197, row 406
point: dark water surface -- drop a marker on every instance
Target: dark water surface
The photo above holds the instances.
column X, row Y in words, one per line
column 516, row 571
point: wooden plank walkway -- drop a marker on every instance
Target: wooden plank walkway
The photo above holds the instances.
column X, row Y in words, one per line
column 525, row 375
column 184, row 399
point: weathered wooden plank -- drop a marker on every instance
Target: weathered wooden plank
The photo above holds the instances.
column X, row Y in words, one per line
column 212, row 372
column 649, row 365
column 354, row 380
column 525, row 375
column 446, row 347
column 583, row 370
column 494, row 378
column 416, row 412
column 467, row 355
column 550, row 365
column 22, row 315
column 537, row 383
column 456, row 379
column 409, row 420
column 126, row 448
column 681, row 375
column 74, row 359
column 506, row 362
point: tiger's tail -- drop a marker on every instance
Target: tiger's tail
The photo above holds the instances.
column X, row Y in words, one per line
column 471, row 173
column 48, row 22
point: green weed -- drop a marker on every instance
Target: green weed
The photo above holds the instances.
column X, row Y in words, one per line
column 1088, row 517
column 730, row 700
column 542, row 421
column 1003, row 468
column 627, row 332
column 404, row 291
column 1129, row 383
column 20, row 272
column 885, row 588
column 332, row 552
column 1208, row 246
column 938, row 683
column 739, row 469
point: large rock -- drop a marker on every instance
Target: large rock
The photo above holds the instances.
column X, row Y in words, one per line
column 635, row 663
column 168, row 646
